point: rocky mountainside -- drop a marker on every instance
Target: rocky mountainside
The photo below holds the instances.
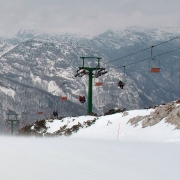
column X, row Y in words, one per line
column 37, row 70
column 170, row 112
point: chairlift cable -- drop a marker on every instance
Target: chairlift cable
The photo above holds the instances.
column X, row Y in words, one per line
column 127, row 55
column 143, row 50
column 148, row 58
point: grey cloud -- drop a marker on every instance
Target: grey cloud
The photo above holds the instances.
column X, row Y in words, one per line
column 84, row 16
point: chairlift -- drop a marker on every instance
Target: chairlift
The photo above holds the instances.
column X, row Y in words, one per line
column 55, row 113
column 155, row 70
column 121, row 83
column 154, row 64
column 82, row 99
column 98, row 83
column 64, row 98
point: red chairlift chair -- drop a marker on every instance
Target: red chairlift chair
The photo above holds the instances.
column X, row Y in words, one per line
column 155, row 70
column 64, row 98
column 98, row 84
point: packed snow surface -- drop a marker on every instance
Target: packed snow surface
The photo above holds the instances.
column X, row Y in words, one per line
column 110, row 149
column 79, row 159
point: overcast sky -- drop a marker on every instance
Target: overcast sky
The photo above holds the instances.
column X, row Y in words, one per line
column 86, row 16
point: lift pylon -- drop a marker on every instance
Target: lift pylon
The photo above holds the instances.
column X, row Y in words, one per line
column 13, row 121
column 83, row 70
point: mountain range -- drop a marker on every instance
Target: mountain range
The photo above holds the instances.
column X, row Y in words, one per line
column 37, row 70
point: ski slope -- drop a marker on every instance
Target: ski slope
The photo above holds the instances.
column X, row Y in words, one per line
column 110, row 149
column 116, row 127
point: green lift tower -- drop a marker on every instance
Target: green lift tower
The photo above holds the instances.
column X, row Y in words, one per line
column 83, row 70
column 12, row 122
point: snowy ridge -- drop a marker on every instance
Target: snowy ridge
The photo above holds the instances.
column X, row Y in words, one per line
column 129, row 125
column 107, row 128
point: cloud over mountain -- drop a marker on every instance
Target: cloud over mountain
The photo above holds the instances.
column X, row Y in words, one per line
column 85, row 17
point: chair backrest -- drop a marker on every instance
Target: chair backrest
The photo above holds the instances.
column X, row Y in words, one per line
column 155, row 70
column 98, row 84
column 64, row 98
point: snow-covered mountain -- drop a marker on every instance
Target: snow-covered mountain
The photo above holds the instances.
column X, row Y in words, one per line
column 38, row 69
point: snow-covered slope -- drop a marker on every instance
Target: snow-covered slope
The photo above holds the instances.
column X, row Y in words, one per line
column 106, row 147
column 116, row 127
column 157, row 124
